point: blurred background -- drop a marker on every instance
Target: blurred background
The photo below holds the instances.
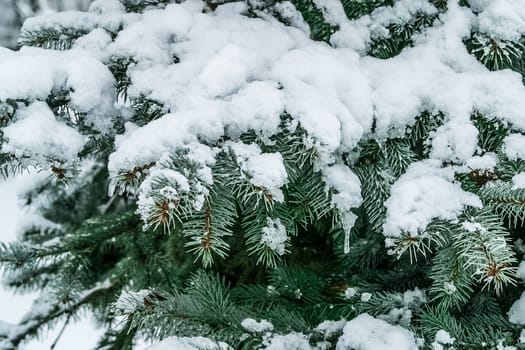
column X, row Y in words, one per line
column 14, row 12
column 79, row 336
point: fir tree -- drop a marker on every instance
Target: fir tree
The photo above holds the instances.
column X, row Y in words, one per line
column 271, row 174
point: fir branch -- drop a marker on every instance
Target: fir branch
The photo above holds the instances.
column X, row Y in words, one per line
column 32, row 322
column 7, row 111
column 419, row 132
column 453, row 283
column 292, row 143
column 278, row 248
column 142, row 5
column 496, row 54
column 320, row 29
column 203, row 305
column 433, row 319
column 206, row 230
column 268, row 250
column 436, row 235
column 146, row 109
column 60, row 104
column 129, row 181
column 119, row 68
column 508, row 168
column 400, row 36
column 175, row 189
column 379, row 165
column 229, row 173
column 481, row 241
column 492, row 132
column 357, row 8
column 504, row 200
column 51, row 38
column 307, row 198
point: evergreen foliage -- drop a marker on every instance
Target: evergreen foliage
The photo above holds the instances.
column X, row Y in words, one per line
column 192, row 244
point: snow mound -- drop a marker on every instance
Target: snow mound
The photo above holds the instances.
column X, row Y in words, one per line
column 251, row 70
column 517, row 311
column 368, row 333
column 36, row 132
column 254, row 326
column 220, row 74
column 291, row 341
column 518, row 181
column 514, row 146
column 425, row 192
column 89, row 82
column 274, row 236
column 187, row 343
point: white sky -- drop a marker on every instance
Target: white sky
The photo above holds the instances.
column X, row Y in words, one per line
column 80, row 336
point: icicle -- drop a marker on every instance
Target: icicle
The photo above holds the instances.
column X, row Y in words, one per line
column 347, row 241
column 348, row 220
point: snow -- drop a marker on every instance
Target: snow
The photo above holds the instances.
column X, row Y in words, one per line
column 442, row 338
column 171, row 184
column 365, row 332
column 265, row 170
column 500, row 346
column 414, row 296
column 365, row 297
column 148, row 39
column 455, row 142
column 291, row 341
column 92, row 90
column 245, row 72
column 485, row 162
column 101, row 16
column 254, row 326
column 234, row 74
column 502, row 19
column 518, row 181
column 259, row 101
column 20, row 71
column 107, row 6
column 129, row 301
column 329, row 328
column 450, row 288
column 186, row 343
column 350, row 292
column 402, row 315
column 517, row 311
column 36, row 132
column 346, row 195
column 358, row 33
column 96, row 40
column 346, row 187
column 514, row 146
column 274, row 236
column 424, row 193
column 89, row 82
column 227, row 70
column 288, row 12
column 332, row 92
column 178, row 189
column 470, row 226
